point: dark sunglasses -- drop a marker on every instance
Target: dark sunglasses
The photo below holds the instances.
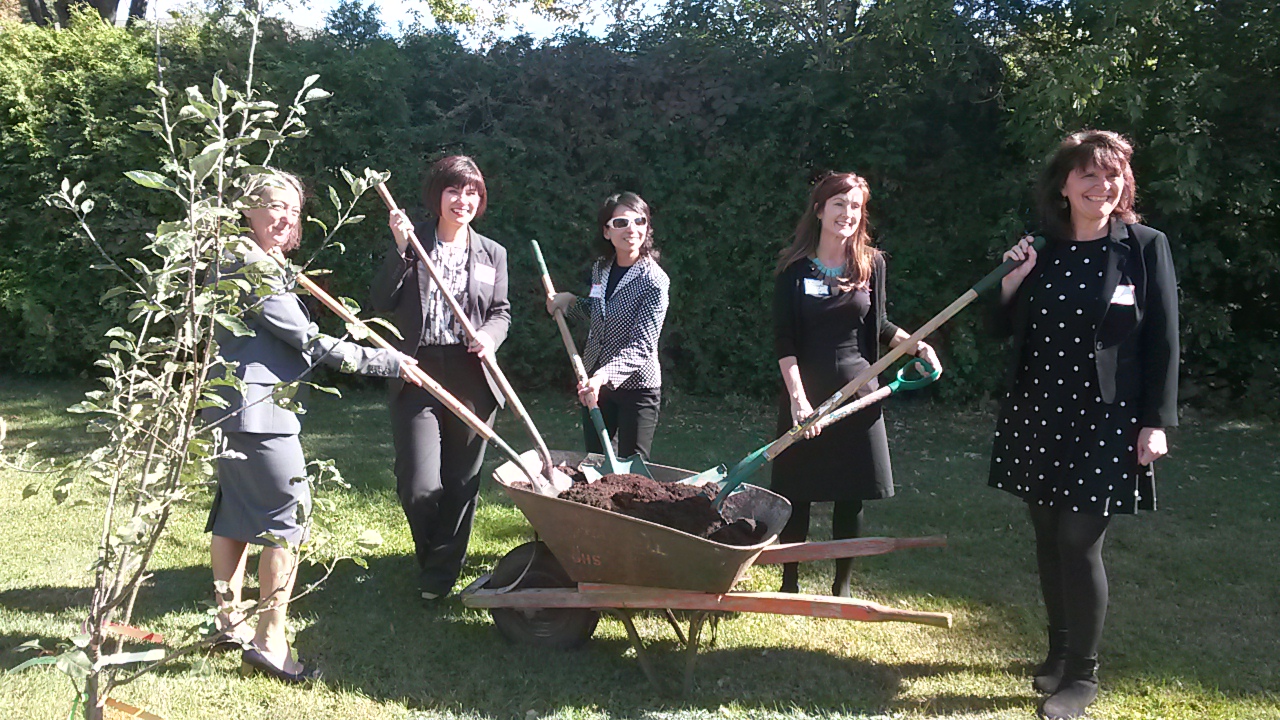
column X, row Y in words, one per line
column 619, row 223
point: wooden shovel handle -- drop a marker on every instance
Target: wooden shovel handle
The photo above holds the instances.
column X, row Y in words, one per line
column 490, row 362
column 579, row 369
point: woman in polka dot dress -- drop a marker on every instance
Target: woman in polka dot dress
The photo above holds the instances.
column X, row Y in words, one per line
column 1094, row 322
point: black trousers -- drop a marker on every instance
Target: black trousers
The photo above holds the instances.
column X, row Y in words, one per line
column 630, row 417
column 1073, row 578
column 438, row 461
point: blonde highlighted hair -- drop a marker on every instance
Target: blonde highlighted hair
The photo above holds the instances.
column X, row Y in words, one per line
column 251, row 195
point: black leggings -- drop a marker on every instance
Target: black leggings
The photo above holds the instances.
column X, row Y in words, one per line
column 1072, row 576
column 846, row 521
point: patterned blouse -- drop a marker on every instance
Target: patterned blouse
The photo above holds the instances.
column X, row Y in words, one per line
column 439, row 325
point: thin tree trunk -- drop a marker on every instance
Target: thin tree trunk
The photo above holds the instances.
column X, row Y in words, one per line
column 40, row 12
column 137, row 10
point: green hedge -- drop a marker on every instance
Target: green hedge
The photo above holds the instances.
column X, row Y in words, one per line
column 721, row 132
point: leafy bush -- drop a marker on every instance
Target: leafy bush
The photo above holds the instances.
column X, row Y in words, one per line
column 719, row 115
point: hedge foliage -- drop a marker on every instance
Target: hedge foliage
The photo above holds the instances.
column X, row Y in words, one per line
column 720, row 122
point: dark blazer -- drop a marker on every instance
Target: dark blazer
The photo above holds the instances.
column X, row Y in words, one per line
column 789, row 289
column 623, row 339
column 400, row 287
column 1136, row 346
column 284, row 346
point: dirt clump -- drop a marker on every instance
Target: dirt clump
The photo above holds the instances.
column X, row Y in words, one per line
column 684, row 507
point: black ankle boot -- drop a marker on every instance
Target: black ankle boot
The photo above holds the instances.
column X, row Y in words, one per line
column 790, row 578
column 1049, row 674
column 1078, row 690
column 844, row 574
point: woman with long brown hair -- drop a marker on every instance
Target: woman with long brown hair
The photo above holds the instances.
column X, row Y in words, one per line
column 829, row 322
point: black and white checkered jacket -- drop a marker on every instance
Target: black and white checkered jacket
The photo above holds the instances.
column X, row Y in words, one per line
column 623, row 339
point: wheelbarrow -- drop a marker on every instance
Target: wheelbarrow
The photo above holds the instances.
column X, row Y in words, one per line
column 589, row 561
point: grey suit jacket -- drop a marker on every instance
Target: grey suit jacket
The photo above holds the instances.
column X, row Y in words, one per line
column 400, row 287
column 285, row 345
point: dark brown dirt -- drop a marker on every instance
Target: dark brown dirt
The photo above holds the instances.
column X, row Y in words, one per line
column 683, row 507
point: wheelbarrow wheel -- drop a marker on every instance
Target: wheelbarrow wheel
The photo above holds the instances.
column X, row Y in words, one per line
column 558, row 628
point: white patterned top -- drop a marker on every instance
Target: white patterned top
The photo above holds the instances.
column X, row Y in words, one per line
column 440, row 327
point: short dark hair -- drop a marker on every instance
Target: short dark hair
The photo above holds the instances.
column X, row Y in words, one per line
column 457, row 171
column 632, row 202
column 1103, row 148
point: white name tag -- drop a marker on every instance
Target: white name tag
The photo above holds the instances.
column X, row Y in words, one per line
column 1123, row 295
column 814, row 287
column 485, row 274
column 597, row 291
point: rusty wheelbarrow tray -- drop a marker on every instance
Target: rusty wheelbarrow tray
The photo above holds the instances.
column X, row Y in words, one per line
column 551, row 592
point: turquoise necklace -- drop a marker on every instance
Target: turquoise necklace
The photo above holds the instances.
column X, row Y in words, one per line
column 831, row 273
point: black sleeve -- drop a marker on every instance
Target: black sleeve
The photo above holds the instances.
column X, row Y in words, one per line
column 784, row 313
column 1160, row 349
column 389, row 282
column 887, row 329
column 498, row 320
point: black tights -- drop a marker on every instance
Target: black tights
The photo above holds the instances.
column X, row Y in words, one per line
column 1072, row 576
column 846, row 521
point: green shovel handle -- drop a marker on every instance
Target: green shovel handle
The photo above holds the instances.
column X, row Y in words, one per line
column 927, row 375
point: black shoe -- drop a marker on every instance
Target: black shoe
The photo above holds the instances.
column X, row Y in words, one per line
column 254, row 661
column 1049, row 674
column 844, row 576
column 790, row 578
column 1076, row 692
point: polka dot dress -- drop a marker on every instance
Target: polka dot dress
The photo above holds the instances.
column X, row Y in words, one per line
column 1057, row 444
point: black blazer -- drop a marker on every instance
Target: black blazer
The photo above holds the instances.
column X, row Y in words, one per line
column 1136, row 346
column 400, row 287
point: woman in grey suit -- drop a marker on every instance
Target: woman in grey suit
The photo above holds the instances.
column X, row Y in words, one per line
column 261, row 492
column 626, row 307
column 438, row 457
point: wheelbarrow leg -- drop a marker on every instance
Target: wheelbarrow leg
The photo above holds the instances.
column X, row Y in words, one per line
column 691, row 649
column 641, row 654
column 675, row 625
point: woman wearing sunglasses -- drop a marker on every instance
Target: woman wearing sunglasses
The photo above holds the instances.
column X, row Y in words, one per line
column 626, row 307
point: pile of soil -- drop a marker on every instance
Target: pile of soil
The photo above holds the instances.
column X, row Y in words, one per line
column 683, row 507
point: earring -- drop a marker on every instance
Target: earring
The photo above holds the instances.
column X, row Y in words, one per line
column 1062, row 203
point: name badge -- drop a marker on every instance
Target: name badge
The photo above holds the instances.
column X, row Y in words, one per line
column 1123, row 295
column 814, row 287
column 597, row 291
column 486, row 274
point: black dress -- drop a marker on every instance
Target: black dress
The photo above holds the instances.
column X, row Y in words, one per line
column 1057, row 443
column 833, row 338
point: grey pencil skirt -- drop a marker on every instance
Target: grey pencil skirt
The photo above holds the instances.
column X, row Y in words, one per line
column 260, row 489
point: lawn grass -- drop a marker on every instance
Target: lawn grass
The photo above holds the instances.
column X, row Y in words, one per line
column 1191, row 634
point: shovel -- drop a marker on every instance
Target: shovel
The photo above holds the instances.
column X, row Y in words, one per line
column 558, row 480
column 747, row 466
column 424, row 380
column 926, row 375
column 612, row 464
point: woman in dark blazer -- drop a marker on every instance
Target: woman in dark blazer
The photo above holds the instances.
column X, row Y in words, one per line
column 626, row 307
column 1094, row 383
column 259, row 498
column 438, row 457
column 829, row 322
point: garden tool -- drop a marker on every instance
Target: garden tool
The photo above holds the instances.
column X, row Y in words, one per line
column 612, row 464
column 558, row 479
column 751, row 463
column 421, row 378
